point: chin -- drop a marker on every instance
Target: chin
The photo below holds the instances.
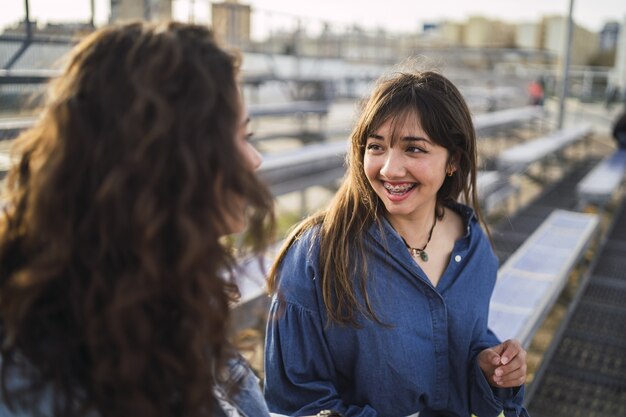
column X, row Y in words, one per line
column 394, row 211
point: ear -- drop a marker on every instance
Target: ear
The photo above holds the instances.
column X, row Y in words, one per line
column 453, row 163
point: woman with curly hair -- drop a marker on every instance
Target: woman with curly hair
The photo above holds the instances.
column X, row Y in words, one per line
column 115, row 279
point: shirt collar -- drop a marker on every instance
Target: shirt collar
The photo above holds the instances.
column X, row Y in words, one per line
column 467, row 214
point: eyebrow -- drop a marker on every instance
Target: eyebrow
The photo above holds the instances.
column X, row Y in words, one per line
column 404, row 139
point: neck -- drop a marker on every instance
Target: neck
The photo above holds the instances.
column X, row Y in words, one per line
column 414, row 228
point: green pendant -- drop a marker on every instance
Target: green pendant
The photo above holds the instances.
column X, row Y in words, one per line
column 424, row 256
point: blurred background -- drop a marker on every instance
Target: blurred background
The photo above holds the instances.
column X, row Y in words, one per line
column 484, row 45
column 529, row 71
column 324, row 55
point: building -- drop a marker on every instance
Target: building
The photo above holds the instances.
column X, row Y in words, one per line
column 529, row 36
column 481, row 32
column 231, row 22
column 452, row 33
column 152, row 10
column 584, row 44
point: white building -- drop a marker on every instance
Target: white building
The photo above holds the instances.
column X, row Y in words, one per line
column 152, row 10
column 584, row 43
column 529, row 36
column 231, row 22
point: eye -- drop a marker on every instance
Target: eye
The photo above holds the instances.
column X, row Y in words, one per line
column 249, row 135
column 415, row 149
column 373, row 146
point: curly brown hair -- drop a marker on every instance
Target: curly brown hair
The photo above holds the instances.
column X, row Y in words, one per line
column 114, row 279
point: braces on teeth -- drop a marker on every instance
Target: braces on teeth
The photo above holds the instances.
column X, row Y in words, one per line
column 398, row 188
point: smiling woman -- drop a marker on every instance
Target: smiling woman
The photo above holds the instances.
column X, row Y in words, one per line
column 380, row 302
column 406, row 169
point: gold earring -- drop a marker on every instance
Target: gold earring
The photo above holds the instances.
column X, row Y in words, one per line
column 450, row 173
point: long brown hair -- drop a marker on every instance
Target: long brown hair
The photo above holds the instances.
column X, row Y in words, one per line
column 445, row 117
column 114, row 279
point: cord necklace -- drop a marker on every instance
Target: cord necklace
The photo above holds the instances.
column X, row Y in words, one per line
column 421, row 252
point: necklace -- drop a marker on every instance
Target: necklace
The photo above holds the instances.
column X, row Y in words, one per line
column 421, row 252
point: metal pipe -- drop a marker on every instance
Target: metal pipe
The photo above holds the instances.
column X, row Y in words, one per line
column 92, row 21
column 29, row 29
column 29, row 38
column 565, row 66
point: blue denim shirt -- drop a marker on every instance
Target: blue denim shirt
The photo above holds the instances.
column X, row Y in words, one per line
column 248, row 400
column 425, row 361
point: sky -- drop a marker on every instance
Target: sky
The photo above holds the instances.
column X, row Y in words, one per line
column 392, row 15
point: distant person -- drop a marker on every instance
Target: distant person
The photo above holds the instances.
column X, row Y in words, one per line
column 115, row 282
column 380, row 301
column 619, row 130
column 612, row 96
column 536, row 93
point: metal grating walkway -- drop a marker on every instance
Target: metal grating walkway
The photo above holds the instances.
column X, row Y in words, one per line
column 509, row 233
column 584, row 374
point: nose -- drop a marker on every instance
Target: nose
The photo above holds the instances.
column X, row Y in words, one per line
column 393, row 166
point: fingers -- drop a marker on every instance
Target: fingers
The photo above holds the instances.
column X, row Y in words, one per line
column 510, row 349
column 499, row 349
column 511, row 379
column 491, row 357
column 512, row 373
column 504, row 365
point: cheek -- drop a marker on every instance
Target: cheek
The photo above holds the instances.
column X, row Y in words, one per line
column 250, row 155
column 371, row 168
column 432, row 170
column 254, row 157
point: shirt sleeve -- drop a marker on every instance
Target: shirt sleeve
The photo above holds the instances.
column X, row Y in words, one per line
column 300, row 374
column 488, row 401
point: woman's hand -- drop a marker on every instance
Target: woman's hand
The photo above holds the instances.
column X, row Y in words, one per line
column 504, row 365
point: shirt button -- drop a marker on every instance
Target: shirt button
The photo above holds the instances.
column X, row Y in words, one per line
column 457, row 258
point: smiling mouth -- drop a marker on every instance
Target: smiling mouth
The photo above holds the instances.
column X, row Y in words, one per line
column 399, row 189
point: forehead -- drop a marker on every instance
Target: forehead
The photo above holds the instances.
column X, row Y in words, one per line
column 406, row 119
column 395, row 126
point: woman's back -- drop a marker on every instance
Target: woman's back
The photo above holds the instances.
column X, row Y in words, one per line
column 115, row 281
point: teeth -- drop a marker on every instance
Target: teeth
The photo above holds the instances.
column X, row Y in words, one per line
column 398, row 188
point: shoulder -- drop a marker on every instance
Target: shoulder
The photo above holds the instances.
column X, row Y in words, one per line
column 298, row 268
column 17, row 380
column 303, row 248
